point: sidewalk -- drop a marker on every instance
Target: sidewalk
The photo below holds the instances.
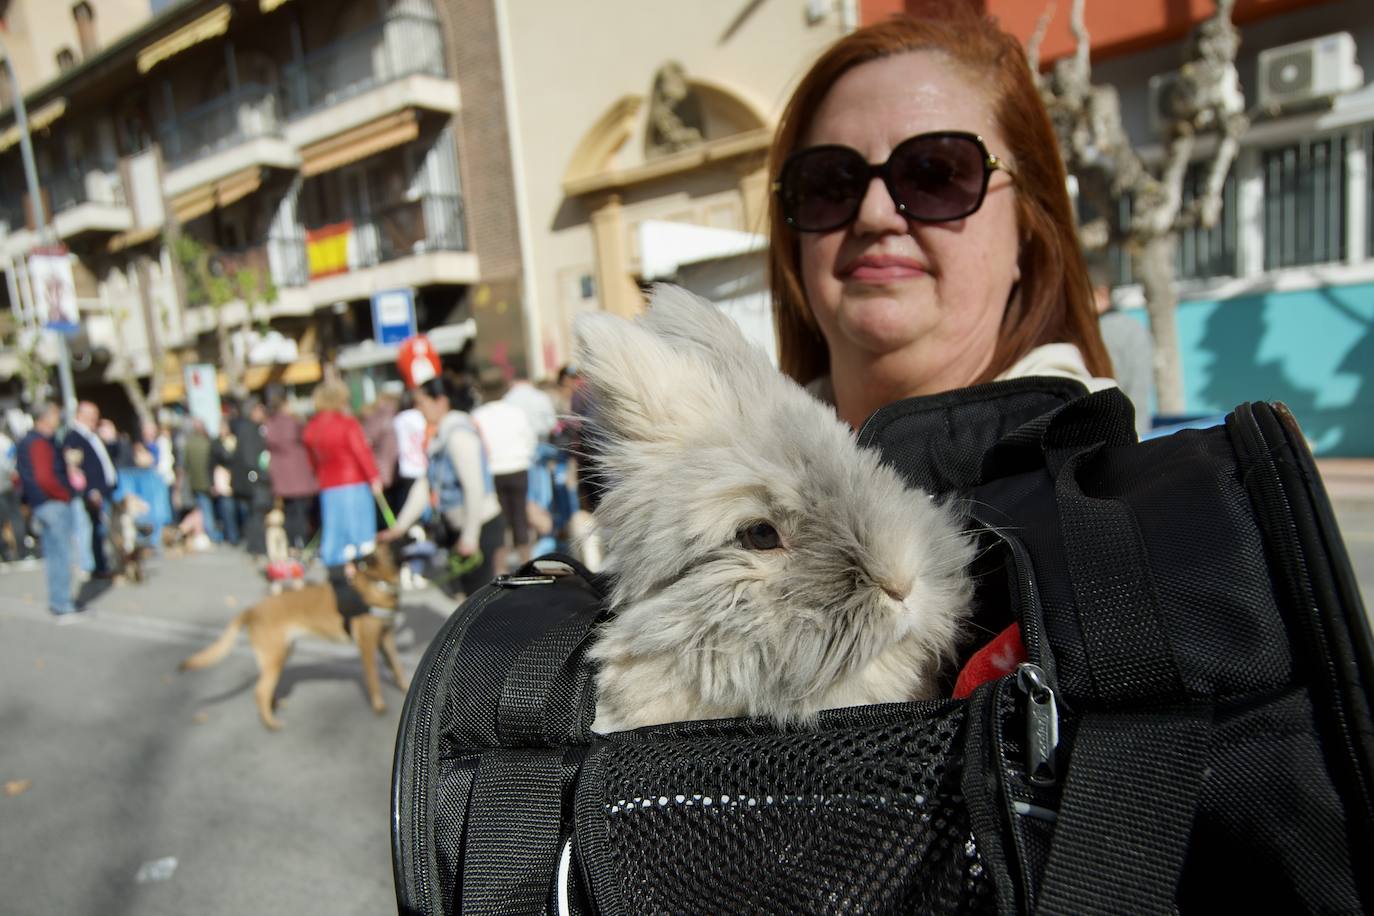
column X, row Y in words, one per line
column 1349, row 481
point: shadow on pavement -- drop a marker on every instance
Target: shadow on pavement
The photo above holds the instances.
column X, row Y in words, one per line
column 92, row 589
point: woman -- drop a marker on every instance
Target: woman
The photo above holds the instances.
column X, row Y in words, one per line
column 347, row 475
column 293, row 480
column 460, row 475
column 922, row 234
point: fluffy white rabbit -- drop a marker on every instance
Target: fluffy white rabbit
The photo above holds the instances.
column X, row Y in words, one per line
column 763, row 564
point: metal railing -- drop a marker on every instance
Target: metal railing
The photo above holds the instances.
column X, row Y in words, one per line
column 433, row 222
column 398, row 46
column 253, row 110
column 1304, row 203
column 278, row 260
column 96, row 185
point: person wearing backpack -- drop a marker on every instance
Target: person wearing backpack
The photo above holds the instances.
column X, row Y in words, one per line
column 459, row 483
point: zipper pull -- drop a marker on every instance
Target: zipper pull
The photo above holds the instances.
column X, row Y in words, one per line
column 1042, row 723
column 508, row 580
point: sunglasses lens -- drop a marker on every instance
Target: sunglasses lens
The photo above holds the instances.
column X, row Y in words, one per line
column 823, row 187
column 938, row 177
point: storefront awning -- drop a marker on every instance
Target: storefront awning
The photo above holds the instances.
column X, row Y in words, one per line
column 304, row 371
column 360, row 142
column 211, row 25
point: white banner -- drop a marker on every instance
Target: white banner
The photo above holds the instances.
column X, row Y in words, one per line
column 54, row 290
column 202, row 395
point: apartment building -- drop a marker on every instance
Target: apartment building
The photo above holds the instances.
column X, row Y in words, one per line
column 1277, row 301
column 238, row 181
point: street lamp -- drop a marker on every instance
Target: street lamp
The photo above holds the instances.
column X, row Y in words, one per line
column 40, row 222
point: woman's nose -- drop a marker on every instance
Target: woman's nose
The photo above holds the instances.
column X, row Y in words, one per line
column 878, row 213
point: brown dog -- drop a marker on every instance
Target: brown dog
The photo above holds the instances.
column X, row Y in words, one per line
column 278, row 619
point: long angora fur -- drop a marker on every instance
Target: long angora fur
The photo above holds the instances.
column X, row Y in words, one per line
column 698, row 438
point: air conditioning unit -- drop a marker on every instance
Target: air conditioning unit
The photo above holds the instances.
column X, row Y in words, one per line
column 1308, row 71
column 1162, row 89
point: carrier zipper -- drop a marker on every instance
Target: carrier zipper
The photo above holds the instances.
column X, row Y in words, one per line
column 1251, row 420
column 1042, row 724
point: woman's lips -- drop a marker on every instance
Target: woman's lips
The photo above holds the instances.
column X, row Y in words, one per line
column 881, row 269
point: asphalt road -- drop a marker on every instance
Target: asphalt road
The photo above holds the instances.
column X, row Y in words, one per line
column 114, row 764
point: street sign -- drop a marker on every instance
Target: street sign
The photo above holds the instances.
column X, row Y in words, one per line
column 54, row 290
column 393, row 315
column 417, row 362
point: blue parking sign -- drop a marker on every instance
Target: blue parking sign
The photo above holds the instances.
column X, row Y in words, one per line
column 393, row 315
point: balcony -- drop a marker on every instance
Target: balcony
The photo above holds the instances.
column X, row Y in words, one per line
column 419, row 242
column 215, row 153
column 387, row 74
column 274, row 273
column 89, row 201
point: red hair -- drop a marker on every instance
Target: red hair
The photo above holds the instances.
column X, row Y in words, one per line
column 1055, row 303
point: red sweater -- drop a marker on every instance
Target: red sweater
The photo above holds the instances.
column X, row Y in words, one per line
column 338, row 450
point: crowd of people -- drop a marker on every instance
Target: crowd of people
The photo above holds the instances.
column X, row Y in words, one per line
column 480, row 479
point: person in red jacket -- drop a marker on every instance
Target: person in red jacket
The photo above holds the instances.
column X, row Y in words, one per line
column 346, row 471
column 43, row 477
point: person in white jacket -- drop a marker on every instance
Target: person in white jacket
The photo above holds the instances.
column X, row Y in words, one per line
column 511, row 442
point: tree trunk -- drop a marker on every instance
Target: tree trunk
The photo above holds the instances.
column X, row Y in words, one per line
column 1153, row 264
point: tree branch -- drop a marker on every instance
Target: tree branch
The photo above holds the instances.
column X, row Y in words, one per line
column 1042, row 25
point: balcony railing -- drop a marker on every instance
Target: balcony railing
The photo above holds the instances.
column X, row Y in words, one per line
column 253, row 110
column 431, row 223
column 398, row 46
column 277, row 262
column 99, row 185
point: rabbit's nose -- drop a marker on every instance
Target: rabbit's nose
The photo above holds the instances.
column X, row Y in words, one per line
column 895, row 594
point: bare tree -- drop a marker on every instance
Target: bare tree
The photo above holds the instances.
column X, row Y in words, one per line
column 1205, row 101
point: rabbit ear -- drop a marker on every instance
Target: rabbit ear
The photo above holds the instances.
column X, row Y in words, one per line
column 641, row 390
column 671, row 374
column 686, row 319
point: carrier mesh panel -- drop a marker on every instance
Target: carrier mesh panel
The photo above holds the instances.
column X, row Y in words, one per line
column 859, row 819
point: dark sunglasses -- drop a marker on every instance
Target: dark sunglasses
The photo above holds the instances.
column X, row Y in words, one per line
column 933, row 178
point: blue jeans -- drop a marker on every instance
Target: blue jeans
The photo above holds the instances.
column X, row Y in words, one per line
column 229, row 517
column 54, row 521
column 79, row 526
column 206, row 503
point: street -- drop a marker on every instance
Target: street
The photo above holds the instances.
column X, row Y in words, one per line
column 115, row 764
column 133, row 789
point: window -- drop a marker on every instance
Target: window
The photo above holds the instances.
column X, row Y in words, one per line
column 1204, row 253
column 85, row 27
column 1304, row 203
column 1369, row 191
column 65, row 60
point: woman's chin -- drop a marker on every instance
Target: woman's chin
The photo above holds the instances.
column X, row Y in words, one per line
column 879, row 326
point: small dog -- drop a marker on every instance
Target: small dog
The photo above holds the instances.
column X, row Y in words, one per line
column 126, row 551
column 763, row 564
column 282, row 569
column 276, row 621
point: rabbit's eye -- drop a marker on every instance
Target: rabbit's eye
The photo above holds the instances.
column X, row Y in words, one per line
column 760, row 536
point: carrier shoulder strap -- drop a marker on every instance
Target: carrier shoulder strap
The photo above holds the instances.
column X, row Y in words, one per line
column 1137, row 761
column 543, row 713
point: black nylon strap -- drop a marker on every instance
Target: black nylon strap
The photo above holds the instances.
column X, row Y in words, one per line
column 510, row 852
column 539, row 692
column 1129, row 653
column 1127, row 813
